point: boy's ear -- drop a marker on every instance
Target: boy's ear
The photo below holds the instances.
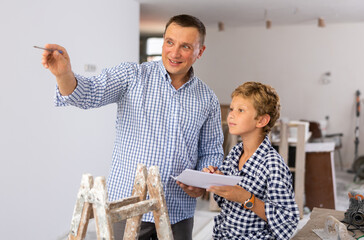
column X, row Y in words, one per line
column 263, row 120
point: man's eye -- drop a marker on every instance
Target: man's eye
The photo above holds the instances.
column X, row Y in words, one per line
column 241, row 110
column 185, row 46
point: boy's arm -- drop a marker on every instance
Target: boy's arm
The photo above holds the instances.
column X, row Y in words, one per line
column 280, row 207
column 240, row 195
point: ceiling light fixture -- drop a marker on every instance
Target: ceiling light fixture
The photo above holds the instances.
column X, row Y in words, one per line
column 220, row 26
column 321, row 22
column 268, row 23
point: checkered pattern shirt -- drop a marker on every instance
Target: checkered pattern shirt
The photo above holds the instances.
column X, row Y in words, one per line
column 155, row 125
column 266, row 176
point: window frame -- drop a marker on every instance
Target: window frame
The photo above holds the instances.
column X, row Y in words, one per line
column 143, row 56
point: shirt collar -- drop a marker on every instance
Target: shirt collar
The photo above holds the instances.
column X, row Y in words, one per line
column 259, row 154
column 191, row 72
column 254, row 160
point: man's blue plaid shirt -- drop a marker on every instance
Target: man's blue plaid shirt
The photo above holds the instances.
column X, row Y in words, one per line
column 266, row 176
column 156, row 125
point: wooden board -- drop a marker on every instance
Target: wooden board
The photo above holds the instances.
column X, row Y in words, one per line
column 319, row 186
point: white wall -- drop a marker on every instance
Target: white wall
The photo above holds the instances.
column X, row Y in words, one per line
column 292, row 59
column 44, row 150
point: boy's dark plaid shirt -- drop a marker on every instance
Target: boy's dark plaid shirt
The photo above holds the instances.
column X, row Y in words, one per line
column 266, row 176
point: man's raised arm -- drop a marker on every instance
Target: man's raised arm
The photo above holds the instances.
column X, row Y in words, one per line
column 60, row 66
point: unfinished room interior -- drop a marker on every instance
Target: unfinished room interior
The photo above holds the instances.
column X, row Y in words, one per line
column 310, row 51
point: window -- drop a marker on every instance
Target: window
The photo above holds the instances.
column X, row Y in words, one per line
column 150, row 48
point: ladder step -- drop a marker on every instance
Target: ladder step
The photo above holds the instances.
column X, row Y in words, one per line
column 123, row 202
column 133, row 210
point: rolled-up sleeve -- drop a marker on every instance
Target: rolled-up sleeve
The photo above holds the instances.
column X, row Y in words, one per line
column 97, row 91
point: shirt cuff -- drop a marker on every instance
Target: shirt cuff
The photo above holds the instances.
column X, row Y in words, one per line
column 74, row 97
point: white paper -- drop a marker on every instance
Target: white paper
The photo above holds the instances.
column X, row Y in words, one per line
column 204, row 180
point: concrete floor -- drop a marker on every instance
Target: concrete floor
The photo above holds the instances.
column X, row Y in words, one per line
column 204, row 217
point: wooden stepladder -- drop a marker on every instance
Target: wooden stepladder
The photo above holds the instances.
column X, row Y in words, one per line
column 92, row 201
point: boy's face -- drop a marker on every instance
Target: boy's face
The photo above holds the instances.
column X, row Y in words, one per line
column 180, row 50
column 242, row 118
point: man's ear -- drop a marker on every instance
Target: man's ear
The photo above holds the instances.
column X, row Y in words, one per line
column 263, row 121
column 202, row 49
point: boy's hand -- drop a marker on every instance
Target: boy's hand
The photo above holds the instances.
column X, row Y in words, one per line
column 212, row 169
column 231, row 193
column 192, row 191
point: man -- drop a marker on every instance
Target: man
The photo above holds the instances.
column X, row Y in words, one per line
column 166, row 117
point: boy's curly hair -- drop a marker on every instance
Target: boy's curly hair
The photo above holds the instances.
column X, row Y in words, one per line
column 265, row 101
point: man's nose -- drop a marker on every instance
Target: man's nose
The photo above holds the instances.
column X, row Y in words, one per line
column 176, row 52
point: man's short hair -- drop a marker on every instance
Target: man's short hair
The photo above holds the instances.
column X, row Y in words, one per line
column 185, row 20
column 265, row 100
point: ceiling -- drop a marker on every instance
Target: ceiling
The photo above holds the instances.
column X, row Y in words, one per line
column 237, row 13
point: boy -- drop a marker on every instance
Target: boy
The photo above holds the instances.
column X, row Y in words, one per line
column 262, row 204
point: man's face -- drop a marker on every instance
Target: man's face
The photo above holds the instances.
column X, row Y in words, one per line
column 180, row 50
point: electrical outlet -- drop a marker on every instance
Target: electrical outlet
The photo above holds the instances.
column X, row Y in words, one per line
column 90, row 67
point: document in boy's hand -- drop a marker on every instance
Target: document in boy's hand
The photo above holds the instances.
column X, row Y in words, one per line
column 204, row 180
